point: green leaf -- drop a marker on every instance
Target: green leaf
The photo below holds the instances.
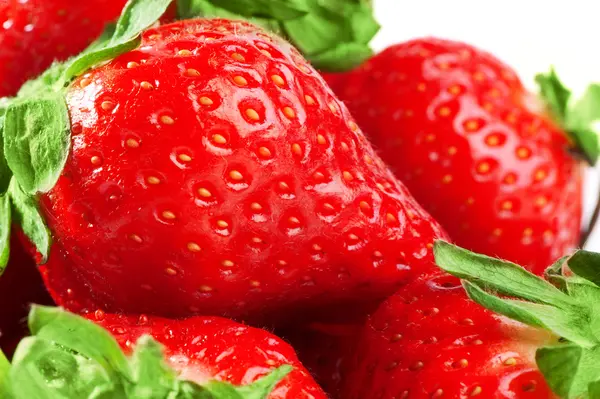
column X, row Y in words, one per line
column 80, row 335
column 152, row 377
column 42, row 369
column 363, row 22
column 262, row 388
column 277, row 9
column 594, row 390
column 5, row 172
column 37, row 141
column 586, row 264
column 505, row 277
column 26, row 214
column 4, row 376
column 583, row 122
column 569, row 323
column 559, row 365
column 554, row 274
column 318, row 31
column 5, row 225
column 554, row 93
column 568, row 369
column 88, row 60
column 204, row 8
column 137, row 16
column 344, row 57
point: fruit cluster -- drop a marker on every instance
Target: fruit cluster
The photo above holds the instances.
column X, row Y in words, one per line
column 237, row 199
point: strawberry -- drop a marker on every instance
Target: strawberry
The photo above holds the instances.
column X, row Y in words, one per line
column 474, row 147
column 430, row 340
column 201, row 357
column 228, row 351
column 37, row 32
column 208, row 170
column 20, row 286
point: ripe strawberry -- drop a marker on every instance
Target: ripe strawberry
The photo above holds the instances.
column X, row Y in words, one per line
column 213, row 172
column 20, row 286
column 473, row 146
column 37, row 32
column 206, row 348
column 202, row 357
column 431, row 340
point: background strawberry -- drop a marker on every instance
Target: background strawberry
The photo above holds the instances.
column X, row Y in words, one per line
column 473, row 146
column 70, row 357
column 234, row 184
column 37, row 32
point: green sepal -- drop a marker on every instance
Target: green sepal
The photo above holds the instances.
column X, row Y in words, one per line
column 150, row 372
column 137, row 16
column 273, row 9
column 187, row 9
column 505, row 277
column 586, row 264
column 37, row 141
column 332, row 34
column 579, row 117
column 345, row 57
column 571, row 368
column 43, row 369
column 26, row 214
column 5, row 225
column 568, row 368
column 5, row 172
column 594, row 390
column 554, row 93
column 69, row 357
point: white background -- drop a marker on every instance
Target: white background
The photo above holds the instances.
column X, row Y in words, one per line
column 529, row 35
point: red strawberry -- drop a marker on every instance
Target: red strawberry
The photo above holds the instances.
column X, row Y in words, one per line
column 206, row 348
column 20, row 286
column 213, row 172
column 473, row 146
column 37, row 32
column 431, row 341
column 201, row 357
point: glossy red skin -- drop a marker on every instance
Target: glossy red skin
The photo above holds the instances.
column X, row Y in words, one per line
column 326, row 349
column 207, row 348
column 317, row 246
column 430, row 341
column 37, row 32
column 400, row 97
column 20, row 286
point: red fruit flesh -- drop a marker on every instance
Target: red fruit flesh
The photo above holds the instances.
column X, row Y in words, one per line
column 37, row 32
column 216, row 173
column 20, row 286
column 430, row 341
column 206, row 348
column 457, row 126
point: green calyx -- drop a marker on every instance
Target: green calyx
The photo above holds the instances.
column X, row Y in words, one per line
column 69, row 357
column 565, row 304
column 579, row 117
column 35, row 128
column 333, row 35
